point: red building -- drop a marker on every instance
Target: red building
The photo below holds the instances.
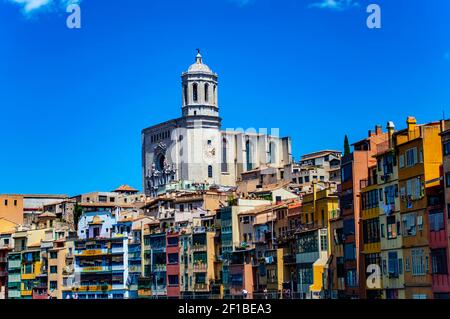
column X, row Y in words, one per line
column 4, row 272
column 438, row 239
column 173, row 265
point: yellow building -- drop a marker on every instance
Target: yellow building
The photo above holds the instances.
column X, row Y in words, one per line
column 318, row 209
column 419, row 158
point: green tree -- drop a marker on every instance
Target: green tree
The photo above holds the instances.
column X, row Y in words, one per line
column 77, row 214
column 346, row 146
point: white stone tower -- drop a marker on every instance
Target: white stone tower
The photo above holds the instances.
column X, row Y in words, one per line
column 199, row 93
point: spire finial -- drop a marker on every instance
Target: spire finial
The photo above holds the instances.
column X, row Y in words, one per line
column 199, row 57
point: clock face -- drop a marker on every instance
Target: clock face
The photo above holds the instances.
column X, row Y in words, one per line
column 210, row 151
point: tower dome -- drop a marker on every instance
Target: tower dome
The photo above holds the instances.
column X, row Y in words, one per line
column 199, row 66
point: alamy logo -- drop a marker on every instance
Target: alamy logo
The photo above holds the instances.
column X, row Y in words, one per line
column 73, row 21
column 374, row 19
column 373, row 281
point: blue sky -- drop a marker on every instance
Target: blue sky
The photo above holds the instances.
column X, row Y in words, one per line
column 73, row 102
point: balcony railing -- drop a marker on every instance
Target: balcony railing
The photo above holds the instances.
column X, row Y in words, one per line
column 200, row 267
column 198, row 248
column 93, row 288
column 200, row 287
column 159, row 267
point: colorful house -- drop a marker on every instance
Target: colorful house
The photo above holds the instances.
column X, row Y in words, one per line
column 419, row 152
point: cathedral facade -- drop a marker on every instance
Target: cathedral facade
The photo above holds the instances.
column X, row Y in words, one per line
column 193, row 148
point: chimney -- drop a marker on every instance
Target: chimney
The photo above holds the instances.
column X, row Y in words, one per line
column 391, row 129
column 378, row 129
column 411, row 124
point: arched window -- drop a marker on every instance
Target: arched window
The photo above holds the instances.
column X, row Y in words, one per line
column 224, row 155
column 206, row 92
column 195, row 92
column 214, row 94
column 185, row 89
column 272, row 152
column 210, row 171
column 248, row 151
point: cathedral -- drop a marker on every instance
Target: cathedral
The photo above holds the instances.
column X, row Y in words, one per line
column 194, row 149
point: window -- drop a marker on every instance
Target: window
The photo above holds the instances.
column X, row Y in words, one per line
column 349, row 227
column 436, row 218
column 323, row 242
column 393, row 264
column 417, row 262
column 271, row 158
column 413, row 189
column 370, row 199
column 53, row 255
column 447, row 179
column 407, row 264
column 249, row 158
column 195, row 92
column 371, row 232
column 388, row 164
column 6, row 202
column 391, row 227
column 224, row 156
column 172, row 241
column 346, row 172
column 351, row 278
column 401, row 161
column 206, row 92
column 409, row 224
column 411, row 157
column 389, row 195
column 15, row 202
column 53, row 285
column 173, row 280
column 210, row 171
column 185, row 90
column 446, row 147
column 53, row 269
column 172, row 258
column 349, row 252
column 439, row 261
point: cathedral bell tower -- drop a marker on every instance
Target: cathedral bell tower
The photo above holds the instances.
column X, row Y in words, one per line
column 199, row 92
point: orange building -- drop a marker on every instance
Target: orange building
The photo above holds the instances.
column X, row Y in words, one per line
column 420, row 158
column 354, row 169
column 11, row 208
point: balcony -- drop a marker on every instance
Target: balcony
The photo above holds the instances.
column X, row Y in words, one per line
column 92, row 252
column 95, row 269
column 14, row 264
column 117, row 267
column 200, row 287
column 196, row 248
column 117, row 250
column 159, row 267
column 200, row 267
column 14, row 293
column 134, row 269
column 3, row 273
column 93, row 288
column 3, row 259
column 26, row 293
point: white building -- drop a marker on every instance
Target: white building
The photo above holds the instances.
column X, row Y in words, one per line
column 194, row 148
